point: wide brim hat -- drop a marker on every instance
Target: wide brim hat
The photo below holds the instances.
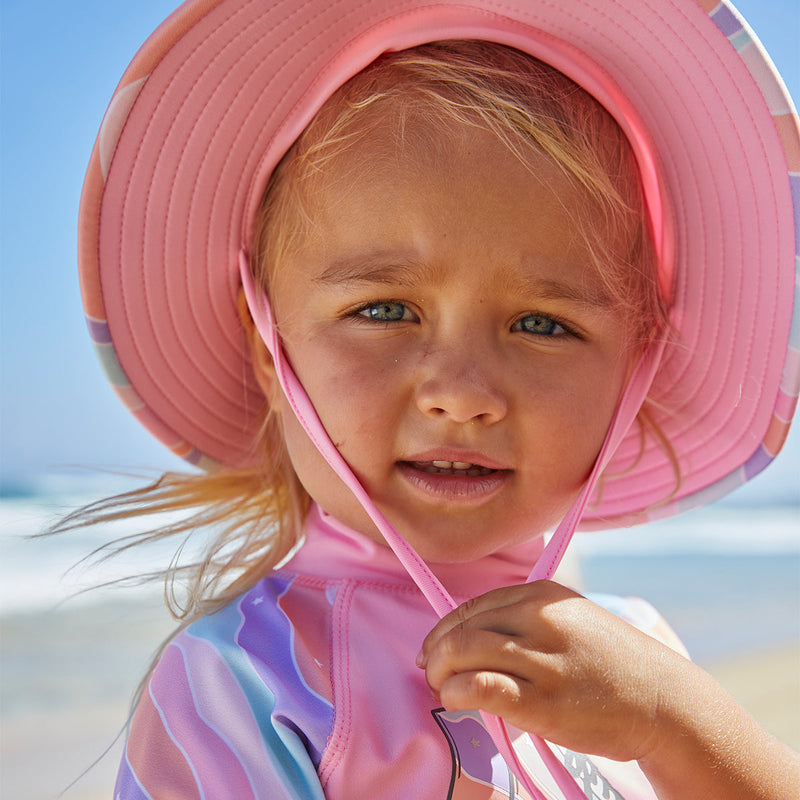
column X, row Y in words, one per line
column 221, row 90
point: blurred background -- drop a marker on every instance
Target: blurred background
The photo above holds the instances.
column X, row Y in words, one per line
column 727, row 578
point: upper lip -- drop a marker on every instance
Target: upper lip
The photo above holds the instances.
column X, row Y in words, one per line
column 456, row 454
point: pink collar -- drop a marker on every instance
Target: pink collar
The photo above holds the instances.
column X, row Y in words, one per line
column 332, row 550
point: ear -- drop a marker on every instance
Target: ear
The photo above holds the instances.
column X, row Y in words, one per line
column 260, row 358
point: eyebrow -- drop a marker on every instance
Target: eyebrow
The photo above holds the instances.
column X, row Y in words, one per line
column 382, row 267
column 587, row 293
column 392, row 268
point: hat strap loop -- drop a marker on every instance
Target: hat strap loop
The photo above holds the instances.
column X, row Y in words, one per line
column 440, row 600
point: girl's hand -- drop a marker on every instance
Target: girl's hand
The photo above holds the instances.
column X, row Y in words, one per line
column 552, row 663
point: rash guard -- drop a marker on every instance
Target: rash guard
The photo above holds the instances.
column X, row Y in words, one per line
column 306, row 687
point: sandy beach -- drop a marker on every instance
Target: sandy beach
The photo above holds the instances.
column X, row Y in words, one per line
column 68, row 676
column 67, row 681
column 767, row 684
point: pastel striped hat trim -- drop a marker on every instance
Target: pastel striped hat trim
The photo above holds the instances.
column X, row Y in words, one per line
column 221, row 90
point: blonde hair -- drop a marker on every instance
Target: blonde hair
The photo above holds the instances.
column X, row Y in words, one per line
column 254, row 516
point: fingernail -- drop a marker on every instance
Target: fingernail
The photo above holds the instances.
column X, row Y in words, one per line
column 420, row 662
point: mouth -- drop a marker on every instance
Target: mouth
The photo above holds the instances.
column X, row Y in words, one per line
column 451, row 468
column 460, row 482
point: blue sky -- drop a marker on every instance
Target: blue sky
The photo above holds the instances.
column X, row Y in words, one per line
column 60, row 64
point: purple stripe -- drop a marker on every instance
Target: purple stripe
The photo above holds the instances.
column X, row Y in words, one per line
column 128, row 788
column 267, row 635
column 288, row 760
column 757, row 462
column 98, row 331
column 194, row 457
column 726, row 20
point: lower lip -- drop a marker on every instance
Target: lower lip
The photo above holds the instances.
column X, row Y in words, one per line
column 448, row 487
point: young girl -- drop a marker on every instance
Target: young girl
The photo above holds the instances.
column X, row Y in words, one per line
column 413, row 298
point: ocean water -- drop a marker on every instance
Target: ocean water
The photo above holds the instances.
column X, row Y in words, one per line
column 38, row 573
column 726, row 578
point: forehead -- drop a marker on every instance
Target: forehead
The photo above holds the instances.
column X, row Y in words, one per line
column 403, row 155
column 404, row 136
column 433, row 205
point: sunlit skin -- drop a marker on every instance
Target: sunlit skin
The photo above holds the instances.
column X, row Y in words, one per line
column 444, row 310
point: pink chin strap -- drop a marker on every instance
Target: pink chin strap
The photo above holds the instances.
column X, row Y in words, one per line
column 442, row 603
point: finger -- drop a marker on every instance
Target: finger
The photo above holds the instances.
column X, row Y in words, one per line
column 491, row 611
column 465, row 649
column 516, row 701
column 496, row 693
column 498, row 598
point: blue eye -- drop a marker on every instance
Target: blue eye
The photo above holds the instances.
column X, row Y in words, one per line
column 386, row 311
column 538, row 325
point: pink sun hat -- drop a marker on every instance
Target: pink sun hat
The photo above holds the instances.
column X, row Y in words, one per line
column 222, row 89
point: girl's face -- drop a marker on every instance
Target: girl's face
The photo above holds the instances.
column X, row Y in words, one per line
column 446, row 322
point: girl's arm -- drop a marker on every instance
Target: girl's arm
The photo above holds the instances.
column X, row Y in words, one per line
column 553, row 663
column 711, row 747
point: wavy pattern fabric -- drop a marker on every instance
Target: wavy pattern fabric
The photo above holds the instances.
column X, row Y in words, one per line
column 306, row 687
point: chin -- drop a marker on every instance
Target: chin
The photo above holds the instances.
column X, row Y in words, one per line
column 456, row 550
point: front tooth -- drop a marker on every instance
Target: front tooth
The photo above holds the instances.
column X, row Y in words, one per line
column 462, row 465
column 442, row 464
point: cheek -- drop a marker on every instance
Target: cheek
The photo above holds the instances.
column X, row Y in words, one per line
column 316, row 475
column 350, row 401
column 303, row 454
column 351, row 388
column 320, row 480
column 596, row 401
column 573, row 410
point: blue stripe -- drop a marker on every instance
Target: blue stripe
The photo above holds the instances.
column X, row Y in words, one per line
column 268, row 635
column 287, row 751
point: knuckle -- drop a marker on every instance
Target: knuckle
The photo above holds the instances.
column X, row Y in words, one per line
column 456, row 642
column 483, row 687
column 493, row 692
column 466, row 610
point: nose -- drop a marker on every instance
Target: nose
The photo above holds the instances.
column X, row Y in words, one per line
column 460, row 384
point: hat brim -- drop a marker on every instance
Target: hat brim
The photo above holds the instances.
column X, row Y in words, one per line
column 221, row 90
